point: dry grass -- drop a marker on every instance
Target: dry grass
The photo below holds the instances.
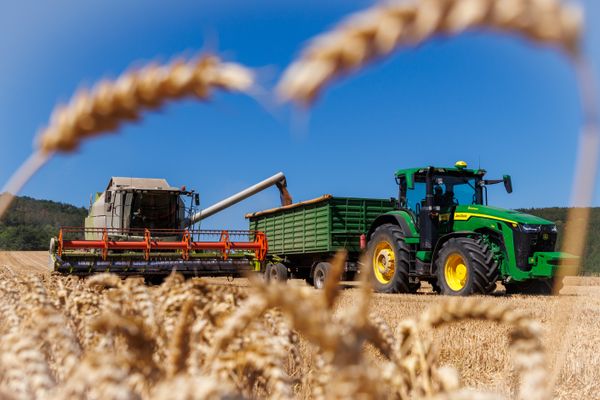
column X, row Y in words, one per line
column 107, row 338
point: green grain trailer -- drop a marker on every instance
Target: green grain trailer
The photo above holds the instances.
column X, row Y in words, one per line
column 303, row 237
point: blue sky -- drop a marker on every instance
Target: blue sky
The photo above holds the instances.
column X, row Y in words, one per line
column 486, row 98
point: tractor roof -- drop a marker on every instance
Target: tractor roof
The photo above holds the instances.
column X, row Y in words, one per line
column 121, row 183
column 440, row 170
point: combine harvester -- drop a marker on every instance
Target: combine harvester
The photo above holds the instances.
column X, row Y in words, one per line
column 143, row 227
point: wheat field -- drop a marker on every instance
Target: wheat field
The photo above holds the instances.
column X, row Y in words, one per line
column 63, row 337
column 108, row 338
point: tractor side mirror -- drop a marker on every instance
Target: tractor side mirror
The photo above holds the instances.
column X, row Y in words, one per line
column 507, row 183
column 197, row 199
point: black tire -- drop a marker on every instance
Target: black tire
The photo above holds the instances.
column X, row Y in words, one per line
column 481, row 268
column 414, row 287
column 276, row 272
column 320, row 274
column 397, row 282
column 538, row 287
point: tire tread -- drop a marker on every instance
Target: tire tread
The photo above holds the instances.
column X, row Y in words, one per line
column 399, row 283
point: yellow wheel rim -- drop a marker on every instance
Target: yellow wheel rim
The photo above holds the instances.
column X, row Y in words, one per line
column 384, row 262
column 455, row 272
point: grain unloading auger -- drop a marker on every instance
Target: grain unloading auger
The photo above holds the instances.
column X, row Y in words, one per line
column 142, row 227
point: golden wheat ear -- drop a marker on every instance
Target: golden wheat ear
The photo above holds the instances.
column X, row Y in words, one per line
column 109, row 104
column 378, row 31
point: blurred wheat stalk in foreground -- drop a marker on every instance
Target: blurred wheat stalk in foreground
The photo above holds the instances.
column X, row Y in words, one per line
column 111, row 103
column 378, row 31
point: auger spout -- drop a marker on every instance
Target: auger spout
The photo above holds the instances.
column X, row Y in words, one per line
column 278, row 179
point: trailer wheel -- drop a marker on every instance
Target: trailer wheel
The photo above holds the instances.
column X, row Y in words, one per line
column 320, row 274
column 540, row 287
column 466, row 266
column 388, row 256
column 276, row 272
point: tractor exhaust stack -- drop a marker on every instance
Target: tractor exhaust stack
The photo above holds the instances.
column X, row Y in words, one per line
column 277, row 179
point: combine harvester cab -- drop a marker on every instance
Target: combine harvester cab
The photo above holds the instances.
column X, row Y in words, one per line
column 143, row 227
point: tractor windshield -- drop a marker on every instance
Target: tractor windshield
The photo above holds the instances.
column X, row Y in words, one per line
column 455, row 190
column 447, row 190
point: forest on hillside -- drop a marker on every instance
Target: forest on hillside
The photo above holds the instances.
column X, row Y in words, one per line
column 30, row 223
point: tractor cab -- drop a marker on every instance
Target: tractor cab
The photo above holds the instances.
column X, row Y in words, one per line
column 432, row 194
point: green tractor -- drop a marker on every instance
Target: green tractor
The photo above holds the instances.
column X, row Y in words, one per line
column 444, row 232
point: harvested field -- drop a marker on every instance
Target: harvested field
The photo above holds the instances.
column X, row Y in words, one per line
column 477, row 349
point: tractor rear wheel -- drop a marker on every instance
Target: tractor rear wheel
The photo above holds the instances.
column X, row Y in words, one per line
column 540, row 287
column 276, row 273
column 466, row 266
column 389, row 260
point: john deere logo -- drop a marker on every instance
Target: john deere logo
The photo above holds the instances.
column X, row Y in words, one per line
column 545, row 236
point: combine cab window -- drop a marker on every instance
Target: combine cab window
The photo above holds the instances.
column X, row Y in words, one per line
column 154, row 210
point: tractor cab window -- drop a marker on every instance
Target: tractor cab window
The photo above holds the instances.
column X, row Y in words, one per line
column 415, row 198
column 455, row 190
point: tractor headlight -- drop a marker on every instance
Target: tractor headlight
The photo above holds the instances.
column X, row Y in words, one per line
column 528, row 228
column 553, row 229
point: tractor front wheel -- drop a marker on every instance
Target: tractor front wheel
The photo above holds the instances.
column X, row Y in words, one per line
column 389, row 260
column 466, row 266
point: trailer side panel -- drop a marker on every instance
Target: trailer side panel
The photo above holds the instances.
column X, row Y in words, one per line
column 323, row 226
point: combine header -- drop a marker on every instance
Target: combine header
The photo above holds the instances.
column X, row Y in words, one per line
column 143, row 227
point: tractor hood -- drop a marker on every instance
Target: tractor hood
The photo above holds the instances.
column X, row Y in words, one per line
column 510, row 216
